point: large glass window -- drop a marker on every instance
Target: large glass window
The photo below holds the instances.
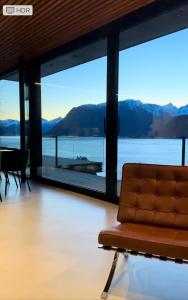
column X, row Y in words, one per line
column 153, row 101
column 9, row 111
column 73, row 114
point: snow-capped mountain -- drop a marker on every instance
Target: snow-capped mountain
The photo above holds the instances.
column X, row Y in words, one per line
column 156, row 109
column 48, row 125
column 12, row 127
column 9, row 122
column 161, row 109
column 137, row 119
column 182, row 111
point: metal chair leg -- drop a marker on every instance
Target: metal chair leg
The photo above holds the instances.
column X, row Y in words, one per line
column 6, row 182
column 19, row 179
column 6, row 177
column 27, row 181
column 104, row 294
column 15, row 180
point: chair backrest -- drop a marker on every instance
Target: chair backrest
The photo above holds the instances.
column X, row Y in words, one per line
column 21, row 158
column 7, row 160
column 154, row 195
column 14, row 160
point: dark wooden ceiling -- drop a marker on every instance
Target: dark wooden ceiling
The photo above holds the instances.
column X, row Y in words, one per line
column 54, row 23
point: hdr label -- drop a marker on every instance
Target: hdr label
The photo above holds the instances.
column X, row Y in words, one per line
column 17, row 10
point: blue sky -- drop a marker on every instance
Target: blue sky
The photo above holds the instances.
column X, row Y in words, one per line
column 154, row 72
column 9, row 99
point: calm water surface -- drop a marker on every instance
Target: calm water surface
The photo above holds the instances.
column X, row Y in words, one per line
column 160, row 151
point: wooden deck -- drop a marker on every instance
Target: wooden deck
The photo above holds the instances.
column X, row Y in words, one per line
column 85, row 180
column 79, row 164
column 73, row 177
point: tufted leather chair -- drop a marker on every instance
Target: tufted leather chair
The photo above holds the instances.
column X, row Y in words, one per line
column 153, row 212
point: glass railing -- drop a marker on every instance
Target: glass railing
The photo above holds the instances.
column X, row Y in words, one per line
column 48, row 151
column 86, row 156
column 161, row 151
column 10, row 141
column 75, row 160
column 153, row 151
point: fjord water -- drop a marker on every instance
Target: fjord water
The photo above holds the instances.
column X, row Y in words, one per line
column 159, row 151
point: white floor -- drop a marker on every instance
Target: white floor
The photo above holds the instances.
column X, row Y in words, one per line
column 48, row 250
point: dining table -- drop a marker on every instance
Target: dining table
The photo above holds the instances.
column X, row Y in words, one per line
column 3, row 150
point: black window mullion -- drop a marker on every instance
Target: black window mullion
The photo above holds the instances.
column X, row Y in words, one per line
column 112, row 115
column 22, row 109
column 35, row 130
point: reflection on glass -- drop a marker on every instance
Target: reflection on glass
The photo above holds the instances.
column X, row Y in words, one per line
column 153, row 101
column 10, row 111
column 26, row 111
column 73, row 112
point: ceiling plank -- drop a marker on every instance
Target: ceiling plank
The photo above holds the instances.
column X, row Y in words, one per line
column 55, row 23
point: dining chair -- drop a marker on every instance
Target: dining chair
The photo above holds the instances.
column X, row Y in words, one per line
column 14, row 163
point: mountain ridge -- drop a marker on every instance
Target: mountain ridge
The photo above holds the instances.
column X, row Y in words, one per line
column 137, row 119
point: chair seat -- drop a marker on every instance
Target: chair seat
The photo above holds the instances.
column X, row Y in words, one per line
column 155, row 240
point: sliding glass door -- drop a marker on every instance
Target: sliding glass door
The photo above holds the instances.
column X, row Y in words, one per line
column 73, row 98
column 153, row 102
column 10, row 111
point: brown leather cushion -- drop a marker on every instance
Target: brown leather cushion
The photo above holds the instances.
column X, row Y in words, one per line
column 154, row 195
column 166, row 242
